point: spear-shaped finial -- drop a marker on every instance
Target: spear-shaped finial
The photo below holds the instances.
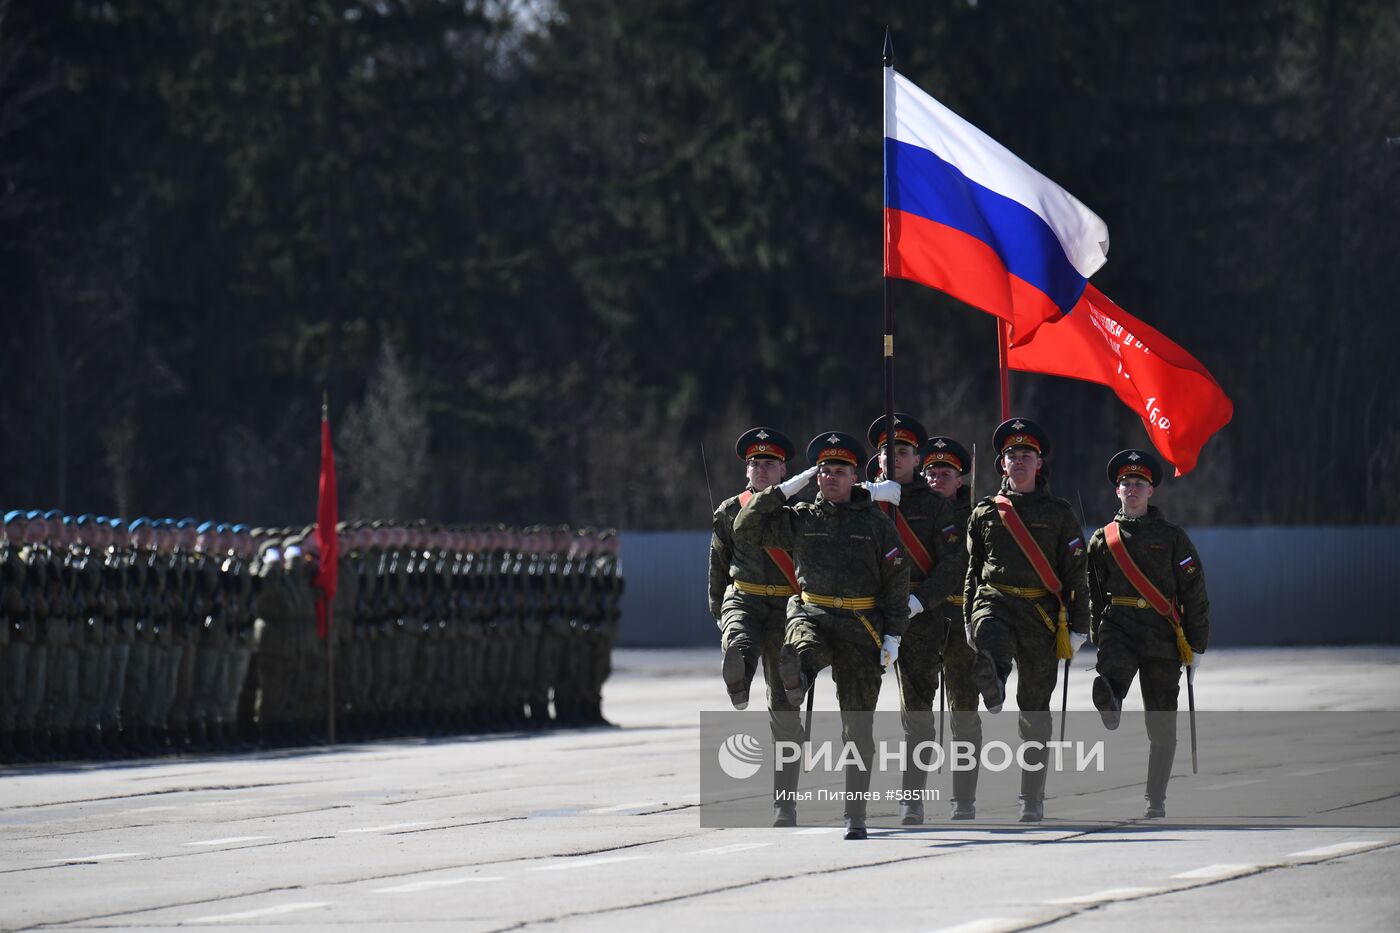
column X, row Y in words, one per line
column 325, row 406
column 889, row 49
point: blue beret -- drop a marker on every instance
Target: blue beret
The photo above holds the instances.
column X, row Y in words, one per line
column 14, row 516
column 183, row 523
column 83, row 519
column 115, row 522
column 67, row 519
column 138, row 523
column 53, row 513
column 204, row 527
column 239, row 529
column 33, row 514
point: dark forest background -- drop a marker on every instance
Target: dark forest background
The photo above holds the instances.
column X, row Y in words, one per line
column 539, row 252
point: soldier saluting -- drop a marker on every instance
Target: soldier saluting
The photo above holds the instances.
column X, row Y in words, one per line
column 749, row 591
column 854, row 582
column 1025, row 593
column 1149, row 612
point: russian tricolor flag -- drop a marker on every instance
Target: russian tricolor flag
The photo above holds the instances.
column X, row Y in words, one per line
column 966, row 216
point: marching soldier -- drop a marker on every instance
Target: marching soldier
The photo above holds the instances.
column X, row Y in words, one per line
column 854, row 583
column 749, row 591
column 1149, row 612
column 1025, row 594
column 919, row 515
column 944, row 463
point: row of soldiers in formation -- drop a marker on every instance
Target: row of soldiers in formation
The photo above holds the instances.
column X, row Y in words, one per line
column 155, row 635
column 906, row 571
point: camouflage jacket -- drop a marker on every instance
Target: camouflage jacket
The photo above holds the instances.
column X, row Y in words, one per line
column 731, row 560
column 994, row 557
column 950, row 574
column 927, row 514
column 841, row 549
column 1167, row 557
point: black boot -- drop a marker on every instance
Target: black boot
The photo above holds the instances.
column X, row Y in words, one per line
column 1033, row 786
column 785, row 779
column 1108, row 704
column 914, row 781
column 1160, row 757
column 737, row 675
column 793, row 677
column 965, row 793
column 857, row 783
column 988, row 682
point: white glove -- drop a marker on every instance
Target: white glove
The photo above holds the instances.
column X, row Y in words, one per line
column 889, row 649
column 1196, row 658
column 915, row 607
column 1077, row 640
column 794, row 485
column 886, row 490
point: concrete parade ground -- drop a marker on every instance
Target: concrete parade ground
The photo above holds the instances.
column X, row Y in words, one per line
column 600, row 830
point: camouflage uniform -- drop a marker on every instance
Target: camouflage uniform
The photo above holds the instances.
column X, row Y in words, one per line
column 1134, row 640
column 754, row 621
column 921, row 650
column 1004, row 626
column 842, row 550
column 962, row 698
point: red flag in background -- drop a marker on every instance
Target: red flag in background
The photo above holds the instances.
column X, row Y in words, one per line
column 1180, row 403
column 327, row 515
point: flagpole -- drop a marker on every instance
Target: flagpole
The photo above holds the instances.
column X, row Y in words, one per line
column 888, row 60
column 1004, row 369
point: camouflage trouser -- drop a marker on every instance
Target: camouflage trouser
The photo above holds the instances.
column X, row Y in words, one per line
column 1012, row 630
column 182, row 701
column 34, row 676
column 171, row 656
column 94, row 662
column 916, row 672
column 14, row 689
column 207, row 684
column 1159, row 680
column 237, row 661
column 601, row 657
column 1120, row 658
column 360, row 660
column 1005, row 633
column 757, row 625
column 61, row 707
column 838, row 640
column 114, row 685
column 964, row 722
